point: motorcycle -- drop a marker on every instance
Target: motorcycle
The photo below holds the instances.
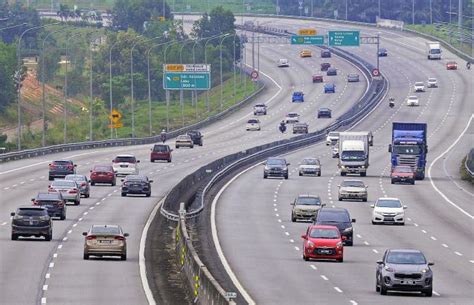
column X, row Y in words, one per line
column 163, row 137
column 282, row 128
column 391, row 102
column 468, row 65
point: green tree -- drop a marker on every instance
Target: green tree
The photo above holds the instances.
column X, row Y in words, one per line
column 134, row 13
column 14, row 15
column 7, row 71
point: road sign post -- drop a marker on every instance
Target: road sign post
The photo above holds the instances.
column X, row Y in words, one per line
column 317, row 40
column 187, row 77
column 344, row 38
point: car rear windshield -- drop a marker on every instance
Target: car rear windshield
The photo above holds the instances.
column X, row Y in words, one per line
column 324, row 233
column 105, row 230
column 161, row 148
column 48, row 196
column 125, row 159
column 409, row 258
column 308, row 201
column 62, row 162
column 419, row 84
column 260, row 105
column 193, row 133
column 276, row 162
column 332, row 216
column 48, row 202
column 311, row 161
column 75, row 177
column 292, row 115
column 353, row 183
column 252, row 121
column 183, row 137
column 383, row 203
column 403, row 169
column 333, row 134
column 32, row 212
column 63, row 183
column 103, row 169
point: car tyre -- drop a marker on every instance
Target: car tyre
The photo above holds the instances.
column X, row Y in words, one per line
column 148, row 194
column 77, row 202
column 123, row 257
column 413, row 182
column 63, row 216
column 92, row 183
column 392, row 181
column 363, row 174
column 305, row 258
column 340, row 260
column 383, row 289
column 339, row 199
column 286, row 177
column 364, row 199
column 169, row 160
column 300, row 174
column 428, row 292
column 377, row 287
column 152, row 160
column 293, row 218
column 265, row 176
column 319, row 174
column 373, row 222
column 124, row 194
column 88, row 195
column 343, row 173
column 85, row 256
column 48, row 237
column 50, row 178
column 14, row 237
column 114, row 183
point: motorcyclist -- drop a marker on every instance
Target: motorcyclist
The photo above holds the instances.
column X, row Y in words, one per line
column 282, row 126
column 391, row 102
column 468, row 65
column 163, row 135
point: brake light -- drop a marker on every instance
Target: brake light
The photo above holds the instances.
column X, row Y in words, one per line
column 73, row 191
column 35, row 202
column 125, row 183
column 119, row 238
column 51, row 190
column 91, row 237
column 110, row 174
column 83, row 184
column 52, row 165
column 61, row 203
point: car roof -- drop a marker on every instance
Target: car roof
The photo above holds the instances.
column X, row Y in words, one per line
column 125, row 155
column 76, row 175
column 405, row 250
column 323, row 227
column 389, row 198
column 44, row 195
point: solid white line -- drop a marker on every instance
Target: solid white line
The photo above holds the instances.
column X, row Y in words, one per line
column 471, row 261
column 338, row 289
column 287, row 233
column 141, row 254
column 4, row 223
column 324, row 278
column 366, row 243
column 415, row 224
column 433, row 238
column 69, row 232
column 439, row 157
column 65, row 238
column 60, row 246
column 55, row 255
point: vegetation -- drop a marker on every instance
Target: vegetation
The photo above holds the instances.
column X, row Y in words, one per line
column 464, row 174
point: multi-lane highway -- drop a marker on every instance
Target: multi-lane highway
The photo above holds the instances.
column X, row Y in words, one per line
column 264, row 248
column 35, row 271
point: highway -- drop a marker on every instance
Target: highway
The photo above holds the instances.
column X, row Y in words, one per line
column 39, row 272
column 264, row 248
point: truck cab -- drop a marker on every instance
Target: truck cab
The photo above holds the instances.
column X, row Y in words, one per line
column 433, row 49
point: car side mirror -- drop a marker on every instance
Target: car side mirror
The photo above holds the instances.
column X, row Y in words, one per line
column 353, row 220
column 49, row 164
column 151, row 181
column 126, row 235
column 75, row 165
column 115, row 172
column 338, row 185
column 372, row 206
column 112, row 161
column 138, row 161
column 288, row 163
column 405, row 207
column 12, row 214
column 122, row 180
column 380, row 262
column 84, row 233
column 304, row 236
column 171, row 150
column 430, row 264
column 90, row 171
column 389, row 148
column 151, row 149
column 323, row 204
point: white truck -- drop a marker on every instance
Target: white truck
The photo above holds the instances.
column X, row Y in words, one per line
column 353, row 153
column 433, row 49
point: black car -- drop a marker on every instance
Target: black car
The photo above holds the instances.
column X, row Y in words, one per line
column 60, row 169
column 324, row 113
column 325, row 53
column 196, row 136
column 331, row 71
column 276, row 167
column 340, row 218
column 382, row 52
column 53, row 202
column 136, row 184
column 31, row 221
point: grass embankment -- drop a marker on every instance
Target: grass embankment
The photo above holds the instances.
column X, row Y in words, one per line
column 464, row 174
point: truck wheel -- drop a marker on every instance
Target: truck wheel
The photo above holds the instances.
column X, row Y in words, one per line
column 363, row 174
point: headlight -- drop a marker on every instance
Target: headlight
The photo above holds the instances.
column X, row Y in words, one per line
column 425, row 270
column 400, row 213
column 348, row 229
column 266, row 168
column 388, row 269
column 342, row 166
column 362, row 166
column 339, row 244
column 310, row 244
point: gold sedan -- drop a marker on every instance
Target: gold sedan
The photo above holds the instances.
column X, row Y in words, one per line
column 105, row 240
column 305, row 53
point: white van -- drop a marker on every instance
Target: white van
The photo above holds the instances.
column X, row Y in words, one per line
column 283, row 62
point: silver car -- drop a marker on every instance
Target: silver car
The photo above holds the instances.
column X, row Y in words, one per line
column 353, row 189
column 184, row 140
column 68, row 189
column 310, row 166
column 305, row 207
column 352, row 78
column 83, row 183
column 404, row 270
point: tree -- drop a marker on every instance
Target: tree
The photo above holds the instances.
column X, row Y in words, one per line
column 17, row 14
column 134, row 13
column 7, row 72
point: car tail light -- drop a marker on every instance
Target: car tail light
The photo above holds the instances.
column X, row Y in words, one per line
column 91, row 237
column 83, row 184
column 61, row 203
column 73, row 191
column 51, row 190
column 110, row 174
column 119, row 238
column 52, row 165
column 125, row 183
column 35, row 202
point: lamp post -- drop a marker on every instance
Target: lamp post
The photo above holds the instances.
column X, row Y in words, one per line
column 181, row 102
column 18, row 69
column 132, row 102
column 91, row 44
column 110, row 88
column 167, row 92
column 205, row 61
column 220, row 57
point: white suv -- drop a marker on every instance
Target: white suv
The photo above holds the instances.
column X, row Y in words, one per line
column 412, row 100
column 125, row 165
column 419, row 87
column 432, row 82
column 388, row 210
column 283, row 62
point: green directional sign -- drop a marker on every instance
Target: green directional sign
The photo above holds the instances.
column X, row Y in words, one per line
column 308, row 39
column 344, row 38
column 186, row 80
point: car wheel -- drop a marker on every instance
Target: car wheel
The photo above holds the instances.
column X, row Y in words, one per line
column 265, row 176
column 293, row 218
column 192, row 146
column 340, row 260
column 343, row 173
column 92, row 183
column 373, row 222
column 300, row 174
column 114, row 183
column 123, row 257
column 177, row 147
column 169, row 160
column 364, row 199
column 124, row 194
column 319, row 174
column 85, row 256
column 428, row 292
column 413, row 182
column 88, row 195
column 305, row 258
column 48, row 237
column 148, row 194
column 77, row 202
column 383, row 289
column 152, row 160
column 63, row 216
column 377, row 287
column 402, row 223
column 14, row 237
column 363, row 174
column 286, row 177
column 339, row 199
column 50, row 178
column 350, row 243
column 200, row 144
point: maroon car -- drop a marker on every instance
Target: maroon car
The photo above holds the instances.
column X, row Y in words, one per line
column 325, row 66
column 317, row 78
column 160, row 152
column 103, row 174
column 451, row 65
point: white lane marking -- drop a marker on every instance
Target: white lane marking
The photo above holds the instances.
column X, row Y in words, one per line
column 366, row 243
column 282, row 226
column 313, row 267
column 375, row 251
column 51, row 265
column 15, row 185
column 439, row 157
column 103, row 199
column 338, row 289
column 43, row 300
column 108, row 195
column 85, row 213
column 424, row 231
column 445, row 245
column 47, row 275
column 457, row 253
column 324, row 278
column 358, row 235
column 23, row 182
column 69, row 232
column 97, row 203
column 91, row 208
column 74, row 225
column 65, row 238
column 7, row 188
column 433, row 238
column 45, row 287
column 297, row 249
column 292, row 240
column 415, row 224
column 55, row 255
column 287, row 233
column 4, row 223
column 353, row 302
column 60, row 246
column 471, row 261
column 436, row 293
column 279, row 220
column 80, row 219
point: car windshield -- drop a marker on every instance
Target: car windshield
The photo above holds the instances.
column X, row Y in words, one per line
column 308, row 201
column 63, row 183
column 32, row 212
column 75, row 177
column 432, row 80
column 276, row 162
column 333, row 134
column 252, row 121
column 408, row 258
column 298, row 93
column 353, row 155
column 333, row 216
column 311, row 162
column 349, row 183
column 353, row 75
column 160, row 148
column 419, row 84
column 105, row 230
column 324, row 233
column 384, row 203
column 406, row 150
column 403, row 169
column 102, row 169
column 126, row 159
column 292, row 115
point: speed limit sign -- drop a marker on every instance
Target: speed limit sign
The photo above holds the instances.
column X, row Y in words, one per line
column 254, row 74
column 375, row 72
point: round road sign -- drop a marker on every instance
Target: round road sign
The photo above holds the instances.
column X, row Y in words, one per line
column 254, row 74
column 375, row 72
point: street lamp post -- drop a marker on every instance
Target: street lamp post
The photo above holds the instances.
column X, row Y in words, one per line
column 132, row 101
column 181, row 102
column 167, row 91
column 110, row 88
column 220, row 57
column 205, row 61
column 19, row 134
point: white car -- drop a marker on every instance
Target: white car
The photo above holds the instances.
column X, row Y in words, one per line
column 283, row 62
column 432, row 82
column 253, row 124
column 412, row 100
column 332, row 138
column 125, row 165
column 292, row 117
column 260, row 109
column 419, row 87
column 310, row 166
column 388, row 210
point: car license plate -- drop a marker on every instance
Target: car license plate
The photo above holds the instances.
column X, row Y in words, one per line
column 136, row 185
column 123, row 165
column 105, row 241
column 325, row 251
column 388, row 219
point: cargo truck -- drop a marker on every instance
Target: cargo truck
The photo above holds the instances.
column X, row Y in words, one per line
column 353, row 153
column 433, row 49
column 409, row 146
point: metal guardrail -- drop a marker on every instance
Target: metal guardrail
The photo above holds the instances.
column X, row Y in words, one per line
column 469, row 164
column 29, row 153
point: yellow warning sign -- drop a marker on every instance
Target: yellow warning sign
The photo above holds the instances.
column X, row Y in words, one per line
column 175, row 67
column 116, row 125
column 115, row 116
column 307, row 32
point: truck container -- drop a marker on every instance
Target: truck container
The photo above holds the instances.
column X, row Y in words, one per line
column 433, row 49
column 409, row 146
column 353, row 153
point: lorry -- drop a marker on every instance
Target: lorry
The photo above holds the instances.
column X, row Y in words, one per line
column 433, row 49
column 353, row 153
column 409, row 146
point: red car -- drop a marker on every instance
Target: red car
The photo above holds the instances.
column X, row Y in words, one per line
column 402, row 173
column 103, row 174
column 325, row 66
column 451, row 65
column 160, row 152
column 323, row 242
column 317, row 78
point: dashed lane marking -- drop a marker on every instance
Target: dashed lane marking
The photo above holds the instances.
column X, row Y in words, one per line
column 43, row 300
column 338, row 289
column 324, row 277
column 375, row 251
column 51, row 265
column 457, row 253
column 445, row 245
column 45, row 287
column 48, row 275
column 297, row 249
column 313, row 267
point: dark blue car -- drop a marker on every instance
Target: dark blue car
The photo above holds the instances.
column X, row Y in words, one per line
column 382, row 52
column 297, row 97
column 329, row 88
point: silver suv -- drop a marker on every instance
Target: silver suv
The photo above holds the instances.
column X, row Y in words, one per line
column 353, row 189
column 305, row 207
column 404, row 270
